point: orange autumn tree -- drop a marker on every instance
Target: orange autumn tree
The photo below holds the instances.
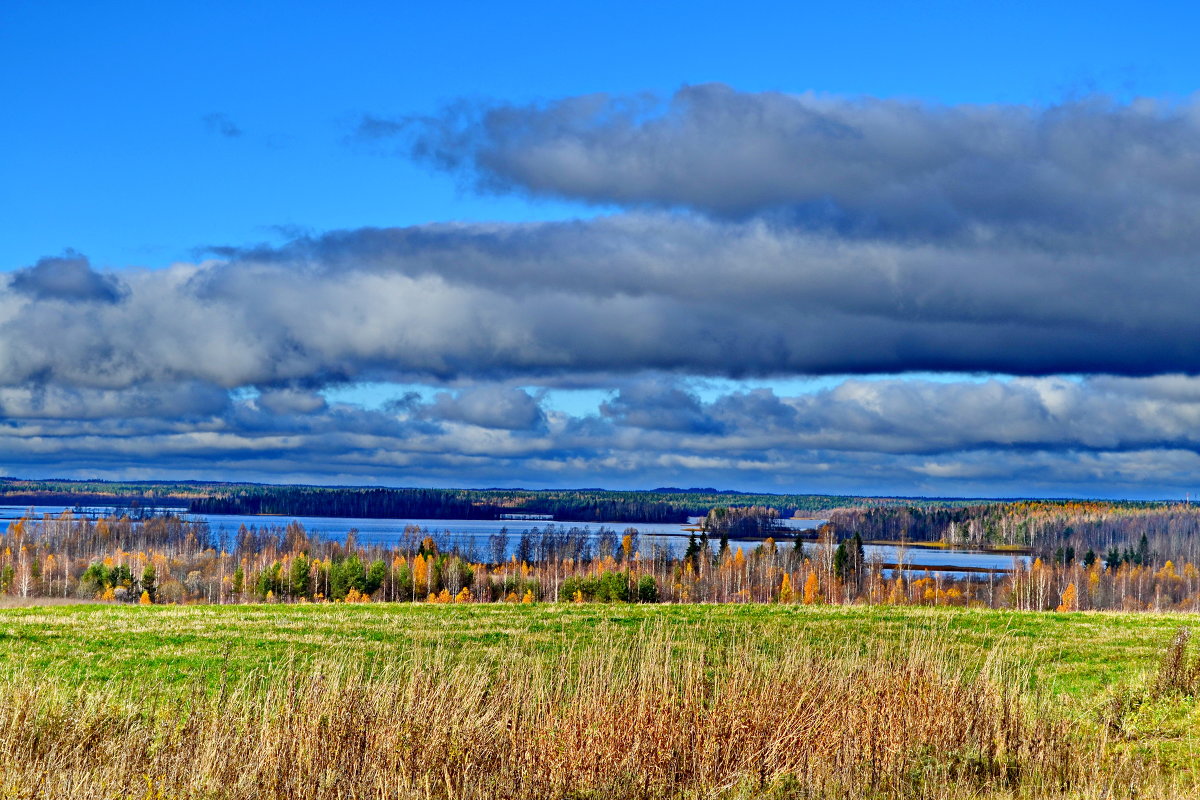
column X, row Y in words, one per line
column 812, row 589
column 1069, row 600
column 420, row 574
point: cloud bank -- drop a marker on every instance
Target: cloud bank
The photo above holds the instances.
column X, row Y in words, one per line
column 865, row 166
column 610, row 296
column 744, row 235
column 1056, row 436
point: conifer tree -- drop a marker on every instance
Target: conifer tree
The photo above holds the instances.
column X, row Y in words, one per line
column 149, row 581
column 301, row 584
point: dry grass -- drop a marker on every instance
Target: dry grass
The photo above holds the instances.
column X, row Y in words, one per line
column 649, row 715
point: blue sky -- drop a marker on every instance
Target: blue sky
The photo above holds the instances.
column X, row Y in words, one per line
column 108, row 152
column 207, row 205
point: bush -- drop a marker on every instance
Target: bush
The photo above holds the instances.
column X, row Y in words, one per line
column 608, row 587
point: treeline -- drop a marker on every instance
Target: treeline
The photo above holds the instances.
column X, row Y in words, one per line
column 1045, row 528
column 155, row 494
column 169, row 560
column 578, row 505
column 664, row 505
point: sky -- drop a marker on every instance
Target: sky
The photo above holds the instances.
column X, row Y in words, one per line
column 876, row 248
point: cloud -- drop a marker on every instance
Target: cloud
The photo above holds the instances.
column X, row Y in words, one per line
column 614, row 296
column 860, row 166
column 653, row 405
column 502, row 407
column 760, row 235
column 184, row 401
column 68, row 277
column 895, row 435
column 220, row 124
column 290, row 401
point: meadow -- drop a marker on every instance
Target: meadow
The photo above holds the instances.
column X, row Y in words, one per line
column 593, row 701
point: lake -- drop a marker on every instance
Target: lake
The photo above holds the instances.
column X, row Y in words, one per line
column 465, row 532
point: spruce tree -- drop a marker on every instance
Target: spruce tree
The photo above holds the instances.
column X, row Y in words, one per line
column 841, row 560
column 149, row 581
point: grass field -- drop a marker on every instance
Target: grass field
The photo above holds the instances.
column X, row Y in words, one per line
column 1076, row 654
column 953, row 680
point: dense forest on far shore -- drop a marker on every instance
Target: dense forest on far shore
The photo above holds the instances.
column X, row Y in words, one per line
column 666, row 505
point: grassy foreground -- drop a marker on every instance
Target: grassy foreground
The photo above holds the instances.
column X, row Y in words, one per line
column 561, row 701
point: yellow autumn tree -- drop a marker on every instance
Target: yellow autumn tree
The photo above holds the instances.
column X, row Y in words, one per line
column 1069, row 600
column 144, row 599
column 785, row 589
column 528, row 598
column 812, row 589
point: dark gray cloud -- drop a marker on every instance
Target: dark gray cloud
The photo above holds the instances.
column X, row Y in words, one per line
column 612, row 296
column 861, row 166
column 221, row 124
column 68, row 277
column 660, row 406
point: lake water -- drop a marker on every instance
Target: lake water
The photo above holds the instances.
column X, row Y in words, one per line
column 465, row 532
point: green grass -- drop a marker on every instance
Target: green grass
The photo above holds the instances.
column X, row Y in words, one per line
column 163, row 658
column 1079, row 655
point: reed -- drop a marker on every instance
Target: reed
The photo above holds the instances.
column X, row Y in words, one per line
column 647, row 715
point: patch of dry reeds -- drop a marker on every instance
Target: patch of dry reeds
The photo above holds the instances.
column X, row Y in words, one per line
column 646, row 716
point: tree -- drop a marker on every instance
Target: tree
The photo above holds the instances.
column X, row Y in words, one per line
column 1144, row 556
column 270, row 582
column 812, row 589
column 692, row 553
column 841, row 561
column 1069, row 600
column 346, row 575
column 149, row 581
column 498, row 543
column 93, row 581
column 376, row 574
column 420, row 575
column 1113, row 558
column 300, row 579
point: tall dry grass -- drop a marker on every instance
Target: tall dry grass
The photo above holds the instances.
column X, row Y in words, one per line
column 648, row 716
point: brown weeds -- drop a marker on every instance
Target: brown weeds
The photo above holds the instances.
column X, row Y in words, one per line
column 647, row 716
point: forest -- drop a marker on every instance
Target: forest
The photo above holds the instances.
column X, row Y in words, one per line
column 667, row 504
column 1048, row 528
column 1082, row 558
